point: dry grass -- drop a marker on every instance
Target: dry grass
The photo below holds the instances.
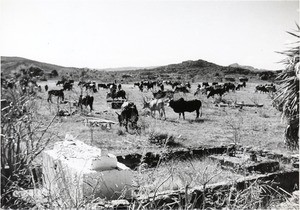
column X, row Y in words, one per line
column 175, row 175
column 261, row 127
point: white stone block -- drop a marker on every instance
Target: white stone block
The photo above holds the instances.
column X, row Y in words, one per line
column 73, row 171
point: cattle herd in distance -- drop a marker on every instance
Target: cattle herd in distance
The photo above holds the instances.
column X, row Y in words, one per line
column 129, row 114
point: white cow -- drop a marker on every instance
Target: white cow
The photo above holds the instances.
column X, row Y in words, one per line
column 155, row 105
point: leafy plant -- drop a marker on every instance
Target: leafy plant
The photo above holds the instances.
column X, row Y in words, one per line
column 288, row 96
column 23, row 138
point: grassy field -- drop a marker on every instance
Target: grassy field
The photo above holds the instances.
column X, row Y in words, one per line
column 260, row 128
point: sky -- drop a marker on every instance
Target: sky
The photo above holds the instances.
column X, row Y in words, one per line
column 141, row 33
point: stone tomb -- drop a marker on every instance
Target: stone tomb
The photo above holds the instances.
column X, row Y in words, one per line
column 74, row 170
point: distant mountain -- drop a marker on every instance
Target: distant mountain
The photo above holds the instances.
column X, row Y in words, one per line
column 126, row 68
column 251, row 68
column 186, row 70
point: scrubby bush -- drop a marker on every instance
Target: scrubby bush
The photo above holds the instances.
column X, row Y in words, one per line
column 161, row 138
column 23, row 138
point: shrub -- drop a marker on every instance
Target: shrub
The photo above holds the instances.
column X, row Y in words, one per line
column 23, row 138
column 161, row 138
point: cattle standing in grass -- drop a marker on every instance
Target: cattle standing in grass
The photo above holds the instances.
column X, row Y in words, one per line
column 188, row 85
column 238, row 86
column 181, row 89
column 128, row 115
column 180, row 106
column 102, row 86
column 175, row 84
column 60, row 82
column 86, row 101
column 162, row 87
column 159, row 94
column 116, row 94
column 271, row 88
column 155, row 105
column 261, row 88
column 229, row 86
column 136, row 84
column 243, row 79
column 141, row 88
column 205, row 84
column 150, row 85
column 199, row 90
column 215, row 91
column 68, row 86
column 58, row 93
column 46, row 88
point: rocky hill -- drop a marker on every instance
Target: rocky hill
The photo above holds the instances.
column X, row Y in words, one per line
column 186, row 70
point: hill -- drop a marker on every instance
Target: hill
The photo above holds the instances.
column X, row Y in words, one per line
column 9, row 64
column 191, row 70
column 186, row 70
column 251, row 68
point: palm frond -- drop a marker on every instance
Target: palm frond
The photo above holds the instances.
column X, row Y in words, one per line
column 288, row 94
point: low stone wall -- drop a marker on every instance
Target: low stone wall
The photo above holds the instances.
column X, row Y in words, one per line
column 288, row 181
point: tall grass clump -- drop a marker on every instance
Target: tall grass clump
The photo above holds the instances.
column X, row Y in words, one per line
column 23, row 137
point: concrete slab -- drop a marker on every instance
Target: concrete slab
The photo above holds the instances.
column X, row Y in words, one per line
column 73, row 171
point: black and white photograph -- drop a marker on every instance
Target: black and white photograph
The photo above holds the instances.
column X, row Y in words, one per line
column 149, row 104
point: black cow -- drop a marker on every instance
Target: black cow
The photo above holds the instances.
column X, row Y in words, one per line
column 181, row 89
column 215, row 83
column 60, row 82
column 175, row 84
column 213, row 91
column 102, row 86
column 111, row 85
column 150, row 85
column 240, row 85
column 141, row 88
column 88, row 85
column 68, row 86
column 162, row 87
column 188, row 85
column 243, row 79
column 205, row 84
column 58, row 93
column 116, row 94
column 229, row 86
column 261, row 88
column 46, row 88
column 119, row 87
column 159, row 94
column 180, row 106
column 86, row 101
column 128, row 115
column 136, row 84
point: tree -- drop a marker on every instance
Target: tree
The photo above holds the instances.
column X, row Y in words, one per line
column 288, row 96
column 54, row 73
column 35, row 71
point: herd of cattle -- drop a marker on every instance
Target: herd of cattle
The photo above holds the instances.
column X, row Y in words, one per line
column 161, row 97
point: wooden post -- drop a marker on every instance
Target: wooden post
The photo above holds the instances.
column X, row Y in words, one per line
column 70, row 105
column 92, row 139
column 57, row 105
